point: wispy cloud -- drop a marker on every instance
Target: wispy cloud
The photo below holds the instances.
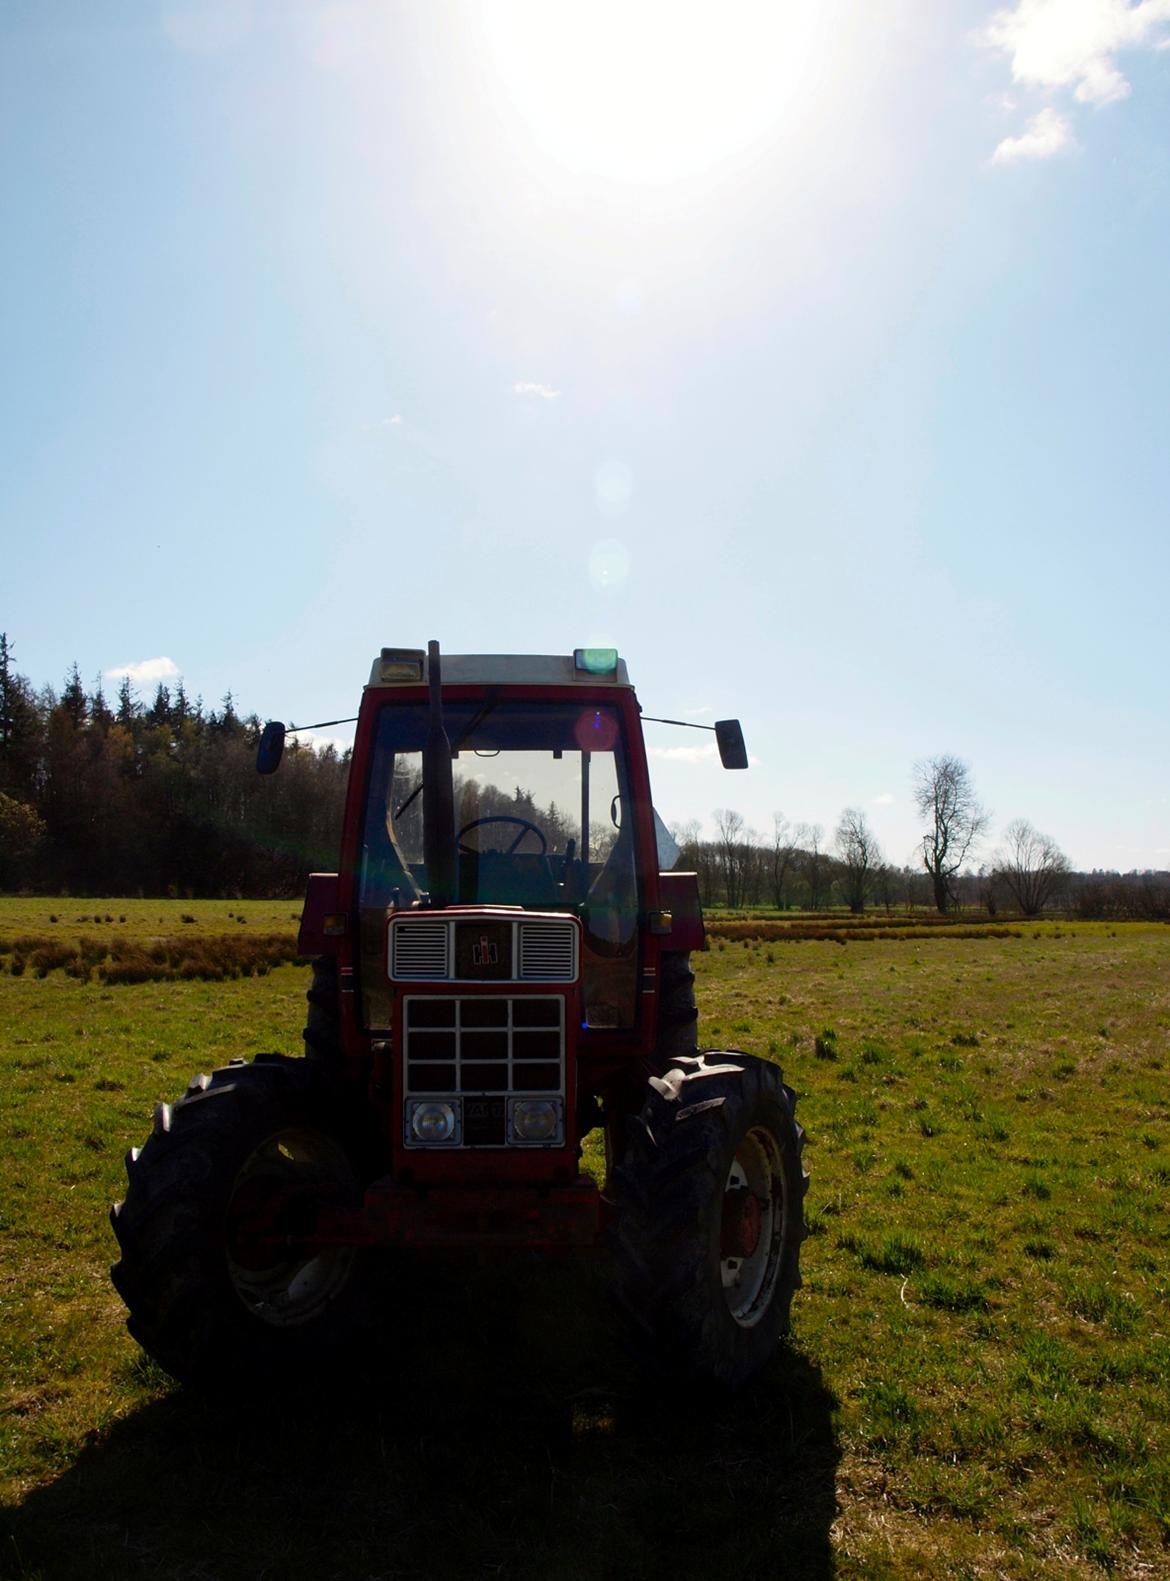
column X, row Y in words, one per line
column 1070, row 44
column 1046, row 134
column 383, row 422
column 144, row 672
column 704, row 754
column 544, row 392
column 886, row 799
column 707, row 753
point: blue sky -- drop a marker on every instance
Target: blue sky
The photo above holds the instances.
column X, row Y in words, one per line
column 816, row 356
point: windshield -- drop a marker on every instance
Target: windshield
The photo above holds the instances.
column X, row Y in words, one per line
column 539, row 793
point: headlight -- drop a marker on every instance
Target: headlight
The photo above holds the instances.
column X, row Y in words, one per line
column 431, row 1123
column 535, row 1120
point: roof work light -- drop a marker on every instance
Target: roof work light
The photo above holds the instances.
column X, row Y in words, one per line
column 595, row 661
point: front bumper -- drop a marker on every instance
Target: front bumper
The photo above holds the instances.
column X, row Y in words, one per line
column 567, row 1217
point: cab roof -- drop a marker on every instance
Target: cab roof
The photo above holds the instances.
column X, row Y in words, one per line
column 408, row 667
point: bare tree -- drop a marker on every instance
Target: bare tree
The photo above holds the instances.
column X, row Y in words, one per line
column 753, row 868
column 885, row 880
column 783, row 854
column 1031, row 865
column 989, row 886
column 697, row 856
column 860, row 853
column 731, row 836
column 945, row 796
column 810, row 835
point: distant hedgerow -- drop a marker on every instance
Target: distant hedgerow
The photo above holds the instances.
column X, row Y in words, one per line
column 126, row 961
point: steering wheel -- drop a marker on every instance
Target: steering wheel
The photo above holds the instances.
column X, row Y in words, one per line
column 526, row 827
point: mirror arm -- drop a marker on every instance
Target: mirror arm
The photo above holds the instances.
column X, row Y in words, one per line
column 728, row 733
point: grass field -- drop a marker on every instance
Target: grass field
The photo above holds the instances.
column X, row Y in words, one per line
column 978, row 1379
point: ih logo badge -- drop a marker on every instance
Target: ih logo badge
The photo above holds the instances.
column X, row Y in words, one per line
column 485, row 953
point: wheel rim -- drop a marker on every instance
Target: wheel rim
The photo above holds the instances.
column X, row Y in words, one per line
column 752, row 1234
column 278, row 1192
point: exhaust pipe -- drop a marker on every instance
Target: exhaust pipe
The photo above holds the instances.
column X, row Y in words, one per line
column 438, row 792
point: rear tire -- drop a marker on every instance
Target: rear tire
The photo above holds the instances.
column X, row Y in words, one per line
column 710, row 1198
column 260, row 1145
column 678, row 1019
column 322, row 1032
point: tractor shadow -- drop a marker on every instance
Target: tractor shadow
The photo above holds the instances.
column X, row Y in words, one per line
column 496, row 1430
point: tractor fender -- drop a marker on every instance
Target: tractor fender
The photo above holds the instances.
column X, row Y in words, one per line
column 678, row 893
column 321, row 900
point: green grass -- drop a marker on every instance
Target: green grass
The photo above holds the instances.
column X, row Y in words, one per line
column 57, row 916
column 976, row 1383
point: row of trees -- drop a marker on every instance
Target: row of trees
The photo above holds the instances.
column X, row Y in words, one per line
column 797, row 868
column 123, row 798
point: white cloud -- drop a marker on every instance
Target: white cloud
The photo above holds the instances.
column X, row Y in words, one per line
column 320, row 743
column 1070, row 44
column 544, row 391
column 144, row 672
column 383, row 422
column 1046, row 134
column 1074, row 43
column 886, row 799
column 703, row 754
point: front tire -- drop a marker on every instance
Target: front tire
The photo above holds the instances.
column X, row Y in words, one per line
column 218, row 1288
column 710, row 1198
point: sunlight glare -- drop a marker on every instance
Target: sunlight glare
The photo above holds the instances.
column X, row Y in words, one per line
column 650, row 91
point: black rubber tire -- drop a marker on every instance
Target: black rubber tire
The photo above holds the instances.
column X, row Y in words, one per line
column 678, row 1018
column 322, row 1032
column 675, row 1037
column 702, row 1116
column 199, row 1303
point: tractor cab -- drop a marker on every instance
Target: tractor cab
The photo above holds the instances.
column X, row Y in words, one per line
column 543, row 820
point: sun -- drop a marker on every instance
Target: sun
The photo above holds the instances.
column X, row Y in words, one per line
column 651, row 91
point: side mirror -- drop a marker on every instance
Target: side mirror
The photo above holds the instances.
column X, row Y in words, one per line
column 732, row 752
column 271, row 748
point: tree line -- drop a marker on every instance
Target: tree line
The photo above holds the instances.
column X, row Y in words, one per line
column 795, row 867
column 798, row 869
column 126, row 797
column 123, row 797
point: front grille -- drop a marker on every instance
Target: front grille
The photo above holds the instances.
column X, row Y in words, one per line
column 484, row 949
column 547, row 951
column 482, row 1050
column 420, row 950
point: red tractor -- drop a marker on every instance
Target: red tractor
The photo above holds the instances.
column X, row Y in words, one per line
column 501, row 967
